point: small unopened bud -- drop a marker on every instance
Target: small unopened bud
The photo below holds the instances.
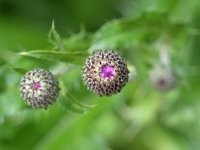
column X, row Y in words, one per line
column 162, row 78
column 39, row 88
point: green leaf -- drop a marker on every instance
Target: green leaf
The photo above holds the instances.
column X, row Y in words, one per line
column 77, row 42
column 129, row 32
column 137, row 7
column 55, row 38
column 67, row 57
column 179, row 13
column 153, row 135
column 73, row 130
column 20, row 70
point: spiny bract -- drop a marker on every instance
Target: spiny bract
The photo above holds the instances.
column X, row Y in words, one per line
column 105, row 73
column 39, row 88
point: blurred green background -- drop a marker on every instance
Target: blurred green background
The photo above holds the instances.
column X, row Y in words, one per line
column 138, row 118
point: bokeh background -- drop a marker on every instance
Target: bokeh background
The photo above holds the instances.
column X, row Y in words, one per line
column 140, row 117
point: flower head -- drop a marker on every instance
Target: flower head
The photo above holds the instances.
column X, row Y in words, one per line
column 105, row 73
column 162, row 78
column 39, row 88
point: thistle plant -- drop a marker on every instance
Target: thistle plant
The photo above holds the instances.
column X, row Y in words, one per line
column 140, row 116
column 39, row 88
column 105, row 73
column 162, row 78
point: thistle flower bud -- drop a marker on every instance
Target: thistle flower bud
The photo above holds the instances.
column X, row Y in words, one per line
column 162, row 78
column 39, row 88
column 105, row 73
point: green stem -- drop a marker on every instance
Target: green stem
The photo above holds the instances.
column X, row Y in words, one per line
column 73, row 99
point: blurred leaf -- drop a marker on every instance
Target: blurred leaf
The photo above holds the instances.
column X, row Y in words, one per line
column 179, row 13
column 135, row 8
column 130, row 32
column 74, row 132
column 20, row 70
column 156, row 138
column 174, row 8
column 67, row 57
column 78, row 42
